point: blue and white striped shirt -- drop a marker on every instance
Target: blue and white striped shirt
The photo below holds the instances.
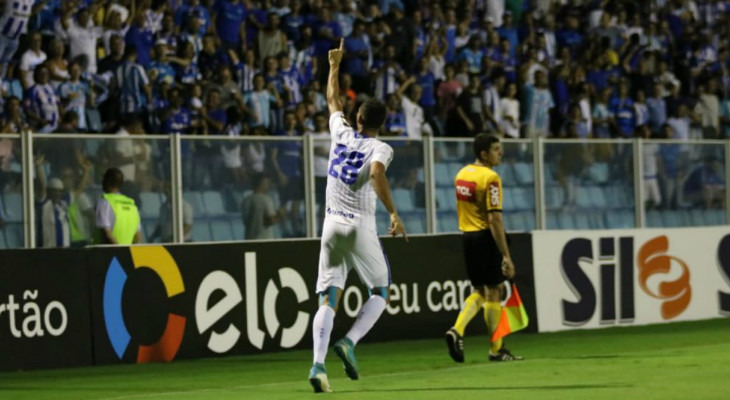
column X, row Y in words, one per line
column 245, row 74
column 80, row 89
column 293, row 80
column 42, row 100
column 131, row 80
column 14, row 20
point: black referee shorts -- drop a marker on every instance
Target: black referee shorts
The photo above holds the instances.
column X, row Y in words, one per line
column 483, row 259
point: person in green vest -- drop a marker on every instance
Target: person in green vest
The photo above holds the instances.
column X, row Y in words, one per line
column 117, row 217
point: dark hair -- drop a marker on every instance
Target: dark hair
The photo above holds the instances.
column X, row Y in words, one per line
column 257, row 179
column 232, row 115
column 484, row 142
column 70, row 116
column 130, row 50
column 372, row 113
column 113, row 179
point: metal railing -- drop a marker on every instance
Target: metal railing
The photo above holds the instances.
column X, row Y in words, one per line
column 549, row 184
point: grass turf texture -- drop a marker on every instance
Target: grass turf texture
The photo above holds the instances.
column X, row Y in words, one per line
column 672, row 361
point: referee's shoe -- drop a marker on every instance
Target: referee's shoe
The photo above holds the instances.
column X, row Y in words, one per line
column 504, row 355
column 456, row 345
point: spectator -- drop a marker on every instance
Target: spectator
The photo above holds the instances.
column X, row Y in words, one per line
column 305, row 58
column 245, row 70
column 708, row 109
column 287, row 162
column 117, row 217
column 387, row 74
column 167, row 33
column 231, row 150
column 657, row 108
column 82, row 35
column 469, row 116
column 32, row 58
column 165, row 222
column 115, row 56
column 448, row 91
column 326, row 34
column 651, row 153
column 622, row 107
column 493, row 103
column 140, row 39
column 510, row 112
column 258, row 103
column 214, row 114
column 13, row 120
column 641, row 110
column 125, row 153
column 705, row 186
column 43, row 107
column 117, row 23
column 229, row 18
column 193, row 8
column 291, row 79
column 322, row 141
column 12, row 24
column 193, row 35
column 358, row 56
column 473, row 55
column 76, row 95
column 669, row 174
column 132, row 84
column 576, row 123
column 725, row 117
column 395, row 121
column 55, row 231
column 57, row 64
column 536, row 104
column 160, row 71
column 258, row 212
column 211, row 59
column 271, row 41
column 416, row 125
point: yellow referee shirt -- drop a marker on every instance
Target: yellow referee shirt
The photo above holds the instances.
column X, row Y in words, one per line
column 478, row 192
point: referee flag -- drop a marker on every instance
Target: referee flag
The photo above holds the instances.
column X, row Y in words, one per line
column 514, row 316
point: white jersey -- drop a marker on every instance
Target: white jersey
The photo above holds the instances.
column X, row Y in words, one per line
column 14, row 20
column 350, row 195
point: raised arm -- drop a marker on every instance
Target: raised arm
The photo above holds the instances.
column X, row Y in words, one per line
column 382, row 189
column 333, row 81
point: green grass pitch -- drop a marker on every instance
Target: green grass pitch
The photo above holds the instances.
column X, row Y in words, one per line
column 685, row 361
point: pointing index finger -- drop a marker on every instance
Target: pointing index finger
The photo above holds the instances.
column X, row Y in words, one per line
column 342, row 44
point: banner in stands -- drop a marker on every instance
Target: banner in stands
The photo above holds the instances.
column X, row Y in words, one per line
column 592, row 279
column 44, row 310
column 160, row 303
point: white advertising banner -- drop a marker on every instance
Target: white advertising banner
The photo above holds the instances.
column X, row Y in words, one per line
column 595, row 279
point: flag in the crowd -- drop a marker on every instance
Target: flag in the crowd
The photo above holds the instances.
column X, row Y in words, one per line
column 514, row 317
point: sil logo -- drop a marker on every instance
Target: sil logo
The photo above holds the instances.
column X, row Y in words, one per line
column 652, row 259
column 159, row 260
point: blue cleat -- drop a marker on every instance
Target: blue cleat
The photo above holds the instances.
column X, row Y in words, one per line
column 318, row 379
column 346, row 351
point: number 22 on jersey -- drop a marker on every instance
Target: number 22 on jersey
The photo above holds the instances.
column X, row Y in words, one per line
column 347, row 165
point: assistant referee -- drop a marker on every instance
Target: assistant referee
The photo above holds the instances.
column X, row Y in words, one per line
column 488, row 261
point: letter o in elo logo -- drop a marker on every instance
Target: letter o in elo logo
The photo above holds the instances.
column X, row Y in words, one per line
column 159, row 260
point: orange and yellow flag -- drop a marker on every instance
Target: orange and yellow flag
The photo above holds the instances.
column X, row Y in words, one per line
column 514, row 317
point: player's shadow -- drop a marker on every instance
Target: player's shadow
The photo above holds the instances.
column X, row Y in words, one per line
column 484, row 388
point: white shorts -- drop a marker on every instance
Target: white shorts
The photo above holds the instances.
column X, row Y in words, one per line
column 346, row 247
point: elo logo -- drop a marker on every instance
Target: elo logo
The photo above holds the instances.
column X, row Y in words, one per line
column 161, row 262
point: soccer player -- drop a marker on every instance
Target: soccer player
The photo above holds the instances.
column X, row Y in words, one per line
column 488, row 261
column 357, row 165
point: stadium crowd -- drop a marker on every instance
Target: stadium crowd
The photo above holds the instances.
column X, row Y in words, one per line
column 523, row 68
